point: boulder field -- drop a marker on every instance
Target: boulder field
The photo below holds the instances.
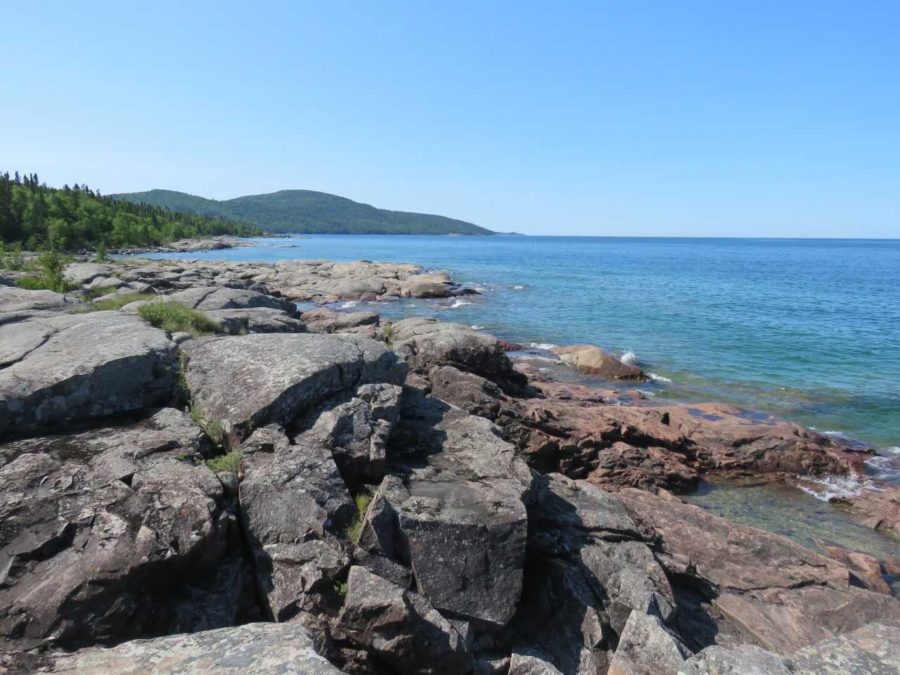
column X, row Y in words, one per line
column 324, row 492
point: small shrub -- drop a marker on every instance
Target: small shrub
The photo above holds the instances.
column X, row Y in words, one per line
column 102, row 255
column 173, row 317
column 388, row 332
column 340, row 587
column 230, row 461
column 355, row 528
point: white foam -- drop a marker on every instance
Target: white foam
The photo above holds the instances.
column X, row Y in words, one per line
column 519, row 287
column 837, row 487
column 894, row 450
column 646, row 394
column 349, row 304
column 459, row 303
column 628, row 357
column 477, row 326
column 658, row 378
column 547, row 346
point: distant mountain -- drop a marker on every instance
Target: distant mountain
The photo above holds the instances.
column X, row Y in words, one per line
column 306, row 211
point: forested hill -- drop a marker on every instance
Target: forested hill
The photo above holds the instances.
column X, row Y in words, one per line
column 307, row 211
column 76, row 216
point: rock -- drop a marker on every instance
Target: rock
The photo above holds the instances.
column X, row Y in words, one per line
column 73, row 367
column 280, row 376
column 293, row 504
column 872, row 649
column 589, row 570
column 647, row 648
column 16, row 300
column 83, row 273
column 456, row 494
column 255, row 320
column 592, row 360
column 738, row 660
column 106, row 282
column 777, row 593
column 867, row 571
column 252, row 648
column 113, row 534
column 531, row 661
column 400, row 627
column 207, row 298
column 323, row 320
column 877, row 508
column 473, row 393
column 432, row 285
column 426, row 343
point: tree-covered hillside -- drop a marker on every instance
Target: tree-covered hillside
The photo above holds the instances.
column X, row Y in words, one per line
column 77, row 217
column 307, row 211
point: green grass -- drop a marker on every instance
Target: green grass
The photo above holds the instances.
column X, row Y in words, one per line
column 94, row 293
column 173, row 317
column 42, row 283
column 114, row 302
column 340, row 587
column 355, row 528
column 388, row 332
column 230, row 461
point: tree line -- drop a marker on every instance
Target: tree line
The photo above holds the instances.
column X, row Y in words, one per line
column 76, row 217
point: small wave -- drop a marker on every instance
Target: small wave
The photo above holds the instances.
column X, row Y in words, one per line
column 348, row 305
column 519, row 287
column 894, row 450
column 458, row 303
column 646, row 394
column 628, row 357
column 477, row 326
column 837, row 487
column 658, row 378
column 546, row 346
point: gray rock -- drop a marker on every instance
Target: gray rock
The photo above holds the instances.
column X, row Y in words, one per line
column 106, row 282
column 402, row 628
column 647, row 648
column 14, row 299
column 425, row 343
column 294, row 502
column 72, row 367
column 85, row 272
column 208, row 298
column 473, row 393
column 737, row 660
column 261, row 648
column 430, row 285
column 280, row 376
column 255, row 320
column 874, row 649
column 323, row 320
column 531, row 661
column 112, row 534
column 457, row 495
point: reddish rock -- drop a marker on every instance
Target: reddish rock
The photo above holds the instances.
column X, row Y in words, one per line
column 878, row 508
column 592, row 360
column 868, row 570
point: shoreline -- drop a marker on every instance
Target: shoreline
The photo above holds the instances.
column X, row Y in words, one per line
column 370, row 432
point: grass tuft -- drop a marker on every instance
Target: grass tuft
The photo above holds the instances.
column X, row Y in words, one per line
column 173, row 317
column 355, row 528
column 230, row 461
column 113, row 302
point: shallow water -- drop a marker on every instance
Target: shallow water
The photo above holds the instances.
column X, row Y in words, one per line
column 806, row 329
column 798, row 516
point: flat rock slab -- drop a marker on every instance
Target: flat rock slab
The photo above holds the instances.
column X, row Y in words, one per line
column 71, row 367
column 252, row 380
column 264, row 648
column 208, row 298
column 15, row 299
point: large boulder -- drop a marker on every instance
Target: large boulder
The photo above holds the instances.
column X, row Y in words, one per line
column 324, row 320
column 255, row 320
column 207, row 298
column 452, row 510
column 592, row 360
column 769, row 589
column 400, row 628
column 71, row 367
column 252, row 648
column 251, row 380
column 84, row 273
column 647, row 648
column 426, row 343
column 113, row 534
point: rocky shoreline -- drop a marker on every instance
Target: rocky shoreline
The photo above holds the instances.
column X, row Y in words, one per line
column 326, row 491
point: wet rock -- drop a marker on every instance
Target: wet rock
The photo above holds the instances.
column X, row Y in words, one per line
column 323, row 320
column 592, row 360
column 877, row 508
column 400, row 627
column 72, row 367
column 112, row 534
column 426, row 343
column 456, row 492
column 280, row 376
column 780, row 595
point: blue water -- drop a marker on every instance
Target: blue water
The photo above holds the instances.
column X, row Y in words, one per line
column 808, row 329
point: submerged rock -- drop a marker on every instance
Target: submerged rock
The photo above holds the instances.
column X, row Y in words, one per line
column 592, row 360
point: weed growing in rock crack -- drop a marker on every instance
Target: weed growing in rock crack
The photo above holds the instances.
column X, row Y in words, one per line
column 388, row 332
column 355, row 528
column 212, row 428
column 230, row 461
column 340, row 587
column 92, row 294
column 173, row 317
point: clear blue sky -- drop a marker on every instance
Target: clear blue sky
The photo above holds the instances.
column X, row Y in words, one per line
column 611, row 118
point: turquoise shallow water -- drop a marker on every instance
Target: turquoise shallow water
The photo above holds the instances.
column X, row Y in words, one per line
column 808, row 329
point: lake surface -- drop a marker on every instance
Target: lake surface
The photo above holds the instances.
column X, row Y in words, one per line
column 807, row 329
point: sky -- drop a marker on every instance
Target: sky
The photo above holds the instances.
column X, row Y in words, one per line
column 714, row 118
